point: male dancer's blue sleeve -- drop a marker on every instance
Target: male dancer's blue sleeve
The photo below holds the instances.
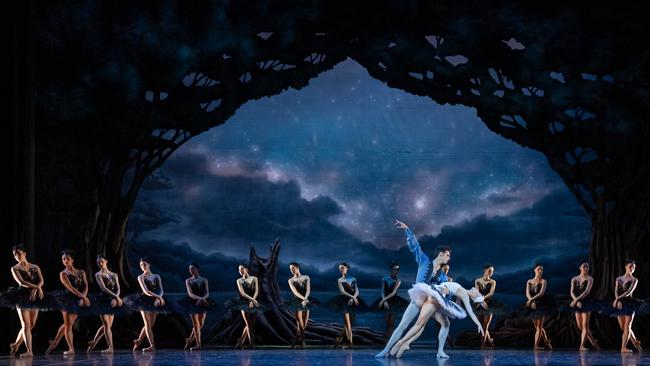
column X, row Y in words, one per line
column 420, row 257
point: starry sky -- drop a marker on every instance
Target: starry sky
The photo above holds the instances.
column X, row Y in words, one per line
column 328, row 169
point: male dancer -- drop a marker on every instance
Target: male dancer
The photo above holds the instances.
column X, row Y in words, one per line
column 428, row 272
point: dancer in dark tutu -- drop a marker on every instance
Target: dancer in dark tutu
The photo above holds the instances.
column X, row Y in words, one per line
column 582, row 304
column 196, row 304
column 390, row 302
column 486, row 310
column 247, row 303
column 538, row 306
column 625, row 306
column 149, row 303
column 28, row 298
column 300, row 286
column 73, row 301
column 347, row 302
column 107, row 303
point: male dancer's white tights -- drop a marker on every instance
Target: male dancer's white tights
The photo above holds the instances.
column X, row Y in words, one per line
column 411, row 313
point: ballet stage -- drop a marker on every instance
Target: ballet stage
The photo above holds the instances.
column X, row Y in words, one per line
column 337, row 357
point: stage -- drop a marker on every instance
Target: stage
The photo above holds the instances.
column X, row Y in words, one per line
column 336, row 357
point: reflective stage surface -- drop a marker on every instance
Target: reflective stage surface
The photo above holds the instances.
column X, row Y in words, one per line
column 337, row 357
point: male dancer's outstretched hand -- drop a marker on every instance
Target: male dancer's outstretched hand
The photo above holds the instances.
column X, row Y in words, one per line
column 400, row 224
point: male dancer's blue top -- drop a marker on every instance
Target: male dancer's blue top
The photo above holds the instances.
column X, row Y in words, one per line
column 425, row 264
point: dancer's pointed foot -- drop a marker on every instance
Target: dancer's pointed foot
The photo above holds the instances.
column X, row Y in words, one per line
column 381, row 354
column 547, row 344
column 441, row 354
column 69, row 352
column 594, row 343
column 136, row 344
column 107, row 350
column 149, row 349
column 637, row 345
column 52, row 345
column 26, row 355
column 187, row 342
column 401, row 351
column 13, row 348
column 395, row 349
column 195, row 348
column 91, row 346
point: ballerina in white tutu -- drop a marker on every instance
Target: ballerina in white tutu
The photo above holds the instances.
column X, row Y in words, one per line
column 435, row 301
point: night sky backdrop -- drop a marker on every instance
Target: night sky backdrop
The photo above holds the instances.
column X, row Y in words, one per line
column 328, row 168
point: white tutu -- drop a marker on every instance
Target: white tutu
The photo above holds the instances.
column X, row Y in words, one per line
column 421, row 291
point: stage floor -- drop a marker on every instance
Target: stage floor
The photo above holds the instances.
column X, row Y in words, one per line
column 337, row 357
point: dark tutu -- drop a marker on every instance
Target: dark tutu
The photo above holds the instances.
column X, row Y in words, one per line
column 238, row 303
column 396, row 304
column 588, row 305
column 340, row 304
column 295, row 304
column 18, row 297
column 69, row 303
column 100, row 304
column 187, row 305
column 631, row 305
column 495, row 307
column 544, row 306
column 142, row 302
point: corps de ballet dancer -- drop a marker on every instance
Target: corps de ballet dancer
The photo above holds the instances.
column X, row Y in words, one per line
column 149, row 303
column 625, row 306
column 538, row 306
column 28, row 298
column 486, row 310
column 390, row 302
column 432, row 302
column 428, row 272
column 107, row 303
column 300, row 304
column 247, row 304
column 347, row 302
column 582, row 304
column 73, row 301
column 196, row 304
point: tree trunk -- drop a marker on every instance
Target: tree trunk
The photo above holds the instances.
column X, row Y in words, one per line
column 278, row 326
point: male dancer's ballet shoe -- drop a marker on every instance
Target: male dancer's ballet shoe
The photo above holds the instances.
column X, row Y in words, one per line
column 637, row 345
column 51, row 347
column 13, row 348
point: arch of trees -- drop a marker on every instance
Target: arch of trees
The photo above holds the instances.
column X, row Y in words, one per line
column 106, row 92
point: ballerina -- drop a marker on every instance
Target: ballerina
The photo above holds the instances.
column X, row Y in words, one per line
column 196, row 305
column 429, row 297
column 625, row 306
column 390, row 302
column 249, row 288
column 300, row 286
column 73, row 301
column 582, row 304
column 538, row 306
column 428, row 271
column 485, row 310
column 149, row 303
column 28, row 298
column 107, row 303
column 346, row 302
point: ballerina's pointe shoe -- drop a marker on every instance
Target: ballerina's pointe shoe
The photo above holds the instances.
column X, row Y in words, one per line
column 13, row 348
column 26, row 355
column 187, row 343
column 395, row 349
column 136, row 344
column 401, row 351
